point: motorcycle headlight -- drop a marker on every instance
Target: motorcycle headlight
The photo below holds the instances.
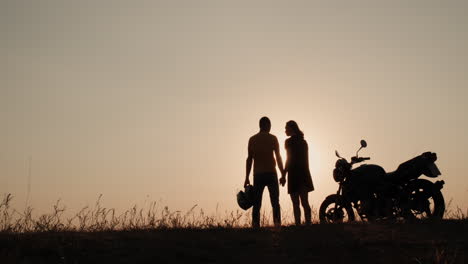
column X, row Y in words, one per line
column 338, row 175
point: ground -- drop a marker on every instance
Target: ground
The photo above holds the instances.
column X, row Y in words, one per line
column 429, row 242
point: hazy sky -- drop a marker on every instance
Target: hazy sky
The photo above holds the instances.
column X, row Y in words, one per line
column 156, row 100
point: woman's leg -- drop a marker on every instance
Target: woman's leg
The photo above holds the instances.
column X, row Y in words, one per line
column 305, row 204
column 296, row 209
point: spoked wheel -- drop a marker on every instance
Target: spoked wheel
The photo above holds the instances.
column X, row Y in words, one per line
column 333, row 211
column 425, row 200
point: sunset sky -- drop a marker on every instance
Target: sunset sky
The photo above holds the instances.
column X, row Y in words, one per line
column 156, row 100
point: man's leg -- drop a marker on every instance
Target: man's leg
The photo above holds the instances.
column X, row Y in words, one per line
column 305, row 204
column 296, row 209
column 273, row 189
column 259, row 186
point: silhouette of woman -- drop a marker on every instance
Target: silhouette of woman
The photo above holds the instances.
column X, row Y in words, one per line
column 297, row 169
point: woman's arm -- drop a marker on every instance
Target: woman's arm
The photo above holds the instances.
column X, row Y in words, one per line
column 288, row 155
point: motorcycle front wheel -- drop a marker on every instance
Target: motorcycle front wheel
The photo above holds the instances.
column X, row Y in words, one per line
column 425, row 200
column 332, row 210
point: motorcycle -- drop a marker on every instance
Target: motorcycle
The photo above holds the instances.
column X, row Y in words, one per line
column 375, row 194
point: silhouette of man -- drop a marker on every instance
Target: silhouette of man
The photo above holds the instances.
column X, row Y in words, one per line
column 260, row 151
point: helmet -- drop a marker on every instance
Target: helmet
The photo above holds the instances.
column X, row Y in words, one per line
column 245, row 198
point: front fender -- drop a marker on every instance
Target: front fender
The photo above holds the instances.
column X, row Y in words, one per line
column 439, row 184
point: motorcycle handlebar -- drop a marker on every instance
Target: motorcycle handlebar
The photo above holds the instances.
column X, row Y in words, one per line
column 355, row 160
column 360, row 159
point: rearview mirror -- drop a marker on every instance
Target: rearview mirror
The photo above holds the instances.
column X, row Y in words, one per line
column 363, row 143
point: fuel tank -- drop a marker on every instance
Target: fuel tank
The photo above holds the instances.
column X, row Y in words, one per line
column 370, row 175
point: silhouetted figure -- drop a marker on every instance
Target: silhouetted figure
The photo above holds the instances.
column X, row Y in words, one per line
column 260, row 151
column 297, row 168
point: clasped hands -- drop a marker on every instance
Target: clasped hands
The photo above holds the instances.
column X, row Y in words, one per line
column 282, row 180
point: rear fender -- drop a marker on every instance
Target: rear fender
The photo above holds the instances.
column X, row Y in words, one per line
column 431, row 170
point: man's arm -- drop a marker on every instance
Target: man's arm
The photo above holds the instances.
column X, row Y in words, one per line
column 279, row 161
column 247, row 170
column 248, row 166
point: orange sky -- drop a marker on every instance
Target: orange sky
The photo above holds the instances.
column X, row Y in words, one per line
column 156, row 100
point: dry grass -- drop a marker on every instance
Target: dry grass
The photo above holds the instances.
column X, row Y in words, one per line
column 156, row 234
column 457, row 213
column 99, row 218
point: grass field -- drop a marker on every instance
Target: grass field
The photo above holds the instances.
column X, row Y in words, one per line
column 441, row 242
column 152, row 235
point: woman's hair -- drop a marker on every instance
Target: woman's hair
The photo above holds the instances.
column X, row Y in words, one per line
column 293, row 125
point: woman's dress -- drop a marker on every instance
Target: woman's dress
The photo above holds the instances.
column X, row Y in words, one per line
column 299, row 178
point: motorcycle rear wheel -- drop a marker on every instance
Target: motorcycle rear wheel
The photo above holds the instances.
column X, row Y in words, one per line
column 425, row 200
column 333, row 211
